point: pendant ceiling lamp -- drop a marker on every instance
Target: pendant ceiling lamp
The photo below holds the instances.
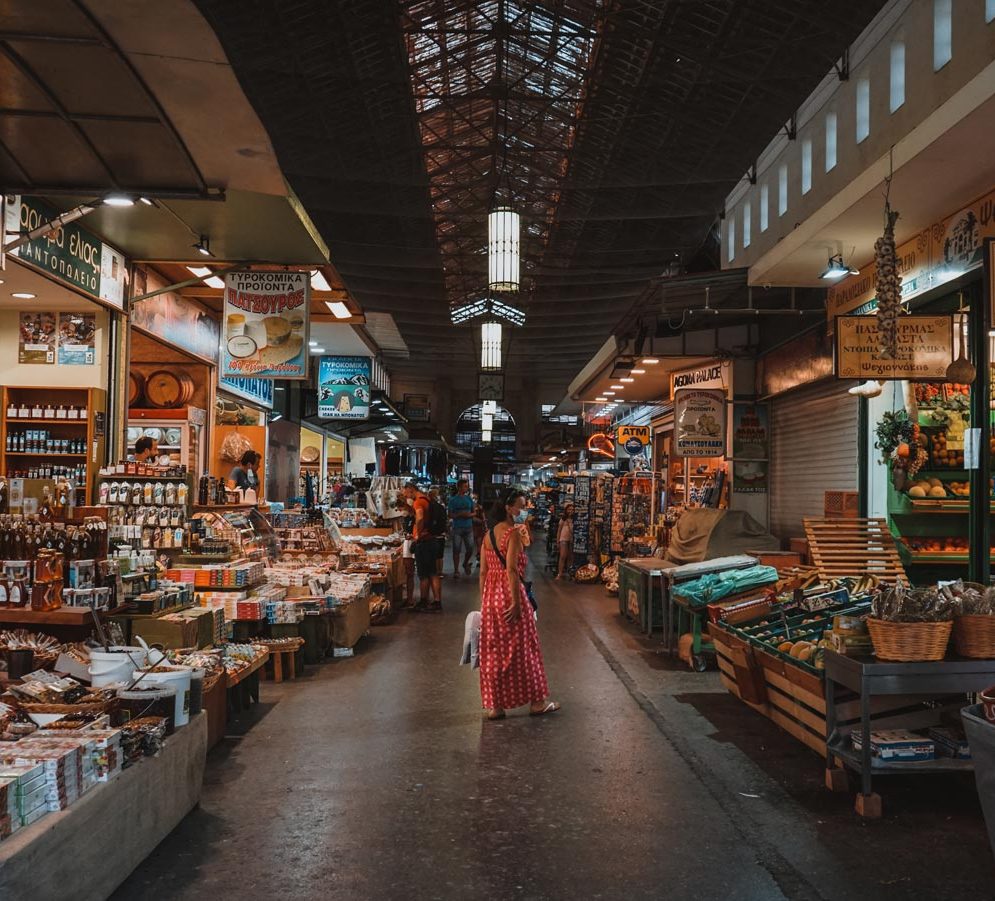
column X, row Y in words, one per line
column 503, row 249
column 490, row 345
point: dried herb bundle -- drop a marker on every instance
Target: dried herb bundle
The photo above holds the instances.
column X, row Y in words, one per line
column 914, row 605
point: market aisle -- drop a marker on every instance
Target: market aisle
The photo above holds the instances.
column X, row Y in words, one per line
column 377, row 777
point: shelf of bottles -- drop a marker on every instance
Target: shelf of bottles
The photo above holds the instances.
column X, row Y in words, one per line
column 52, row 433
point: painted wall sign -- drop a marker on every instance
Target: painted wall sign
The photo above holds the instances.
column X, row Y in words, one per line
column 942, row 252
column 70, row 254
column 711, row 375
column 266, row 318
column 344, row 387
column 925, row 348
column 699, row 422
column 172, row 318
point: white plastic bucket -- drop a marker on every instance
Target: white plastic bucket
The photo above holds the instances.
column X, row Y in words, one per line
column 116, row 665
column 179, row 678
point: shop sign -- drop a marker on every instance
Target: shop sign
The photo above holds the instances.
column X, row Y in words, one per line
column 416, row 406
column 70, row 254
column 36, row 338
column 942, row 252
column 711, row 375
column 267, row 315
column 77, row 337
column 700, row 422
column 171, row 318
column 632, row 441
column 259, row 391
column 750, row 477
column 925, row 348
column 344, row 387
column 750, row 431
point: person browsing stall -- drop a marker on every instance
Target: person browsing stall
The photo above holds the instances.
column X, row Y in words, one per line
column 245, row 475
column 146, row 449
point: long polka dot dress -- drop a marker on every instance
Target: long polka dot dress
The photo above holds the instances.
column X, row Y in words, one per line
column 511, row 668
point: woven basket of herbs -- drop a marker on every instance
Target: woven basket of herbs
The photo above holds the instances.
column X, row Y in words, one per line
column 911, row 624
column 974, row 619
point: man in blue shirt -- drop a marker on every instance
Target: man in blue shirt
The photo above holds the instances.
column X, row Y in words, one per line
column 461, row 515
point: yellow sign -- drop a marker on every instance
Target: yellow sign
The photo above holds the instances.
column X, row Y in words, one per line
column 631, row 441
column 925, row 348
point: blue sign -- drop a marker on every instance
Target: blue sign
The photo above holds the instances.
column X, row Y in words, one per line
column 259, row 391
column 344, row 387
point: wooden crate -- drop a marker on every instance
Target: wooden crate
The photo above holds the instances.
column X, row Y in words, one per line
column 854, row 547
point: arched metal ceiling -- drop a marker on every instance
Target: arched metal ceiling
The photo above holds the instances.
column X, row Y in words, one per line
column 620, row 125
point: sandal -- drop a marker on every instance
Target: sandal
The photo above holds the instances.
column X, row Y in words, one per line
column 495, row 715
column 548, row 707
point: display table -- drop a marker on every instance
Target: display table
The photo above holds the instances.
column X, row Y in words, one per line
column 870, row 677
column 66, row 623
column 350, row 622
column 243, row 686
column 89, row 849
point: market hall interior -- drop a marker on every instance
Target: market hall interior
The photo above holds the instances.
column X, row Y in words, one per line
column 307, row 307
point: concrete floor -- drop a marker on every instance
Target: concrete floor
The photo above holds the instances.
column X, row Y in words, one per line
column 376, row 777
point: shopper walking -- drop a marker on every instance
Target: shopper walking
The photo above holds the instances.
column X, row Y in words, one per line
column 426, row 550
column 511, row 668
column 565, row 542
column 460, row 510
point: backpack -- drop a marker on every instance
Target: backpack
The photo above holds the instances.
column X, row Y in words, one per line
column 436, row 519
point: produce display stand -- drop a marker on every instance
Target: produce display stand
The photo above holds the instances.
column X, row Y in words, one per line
column 793, row 695
column 853, row 547
column 871, row 678
column 692, row 619
column 111, row 829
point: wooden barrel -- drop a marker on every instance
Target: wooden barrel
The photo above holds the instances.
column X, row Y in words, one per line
column 136, row 388
column 166, row 389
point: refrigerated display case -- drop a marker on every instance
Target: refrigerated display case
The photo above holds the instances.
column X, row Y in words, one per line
column 245, row 529
column 181, row 434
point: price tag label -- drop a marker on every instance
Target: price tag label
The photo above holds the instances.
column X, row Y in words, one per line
column 972, row 448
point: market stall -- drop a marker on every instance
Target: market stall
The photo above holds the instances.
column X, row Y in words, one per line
column 880, row 669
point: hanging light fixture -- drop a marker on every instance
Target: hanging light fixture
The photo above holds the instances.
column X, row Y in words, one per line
column 503, row 249
column 488, row 406
column 485, row 436
column 490, row 345
column 487, row 421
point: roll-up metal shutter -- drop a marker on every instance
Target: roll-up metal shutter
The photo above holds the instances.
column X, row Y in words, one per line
column 813, row 450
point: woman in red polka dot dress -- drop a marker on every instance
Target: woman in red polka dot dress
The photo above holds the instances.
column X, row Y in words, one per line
column 511, row 669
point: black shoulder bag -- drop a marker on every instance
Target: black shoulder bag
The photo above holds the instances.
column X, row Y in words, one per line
column 526, row 585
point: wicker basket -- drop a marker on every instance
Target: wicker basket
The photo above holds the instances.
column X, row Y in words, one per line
column 974, row 636
column 909, row 641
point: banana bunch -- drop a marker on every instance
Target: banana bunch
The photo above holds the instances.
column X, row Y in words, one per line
column 888, row 285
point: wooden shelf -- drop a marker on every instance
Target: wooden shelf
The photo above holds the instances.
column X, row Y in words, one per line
column 43, row 454
column 64, row 616
column 81, row 422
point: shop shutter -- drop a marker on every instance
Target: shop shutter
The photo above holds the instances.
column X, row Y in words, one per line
column 813, row 450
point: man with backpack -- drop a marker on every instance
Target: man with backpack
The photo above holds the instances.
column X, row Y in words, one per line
column 430, row 523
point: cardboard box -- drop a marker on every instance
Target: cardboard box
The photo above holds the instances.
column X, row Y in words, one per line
column 176, row 632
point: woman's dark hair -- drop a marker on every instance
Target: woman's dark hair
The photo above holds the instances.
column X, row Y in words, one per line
column 249, row 457
column 499, row 512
